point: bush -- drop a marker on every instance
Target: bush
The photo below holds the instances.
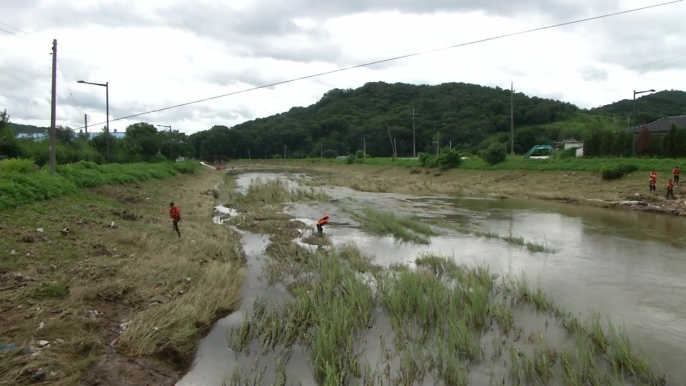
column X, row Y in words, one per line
column 616, row 171
column 425, row 159
column 350, row 159
column 495, row 153
column 449, row 159
column 330, row 153
column 17, row 165
column 568, row 153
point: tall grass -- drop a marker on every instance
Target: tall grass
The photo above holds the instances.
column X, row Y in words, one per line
column 21, row 184
column 403, row 228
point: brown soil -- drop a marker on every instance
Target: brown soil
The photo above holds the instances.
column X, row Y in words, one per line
column 66, row 296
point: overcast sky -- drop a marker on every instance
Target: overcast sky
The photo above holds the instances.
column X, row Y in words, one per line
column 158, row 53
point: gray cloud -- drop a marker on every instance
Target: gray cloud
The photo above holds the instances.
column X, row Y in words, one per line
column 593, row 73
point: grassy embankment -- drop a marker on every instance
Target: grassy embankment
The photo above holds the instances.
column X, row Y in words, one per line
column 83, row 304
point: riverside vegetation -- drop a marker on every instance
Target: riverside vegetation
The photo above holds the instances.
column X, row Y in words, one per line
column 95, row 283
column 442, row 323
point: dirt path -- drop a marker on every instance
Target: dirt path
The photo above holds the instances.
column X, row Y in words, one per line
column 97, row 289
column 583, row 188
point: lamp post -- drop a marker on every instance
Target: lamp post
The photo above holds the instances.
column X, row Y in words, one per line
column 106, row 85
column 170, row 139
column 633, row 115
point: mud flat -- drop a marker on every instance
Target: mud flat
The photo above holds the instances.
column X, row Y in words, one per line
column 408, row 290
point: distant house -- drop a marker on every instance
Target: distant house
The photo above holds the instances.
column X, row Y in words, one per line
column 114, row 133
column 574, row 144
column 661, row 126
column 34, row 136
column 44, row 136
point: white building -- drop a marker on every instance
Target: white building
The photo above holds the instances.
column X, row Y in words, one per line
column 574, row 144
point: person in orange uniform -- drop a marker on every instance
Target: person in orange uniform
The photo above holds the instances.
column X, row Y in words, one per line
column 676, row 172
column 653, row 189
column 653, row 182
column 670, row 189
column 175, row 215
column 320, row 224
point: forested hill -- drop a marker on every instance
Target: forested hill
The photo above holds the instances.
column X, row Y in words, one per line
column 649, row 107
column 465, row 115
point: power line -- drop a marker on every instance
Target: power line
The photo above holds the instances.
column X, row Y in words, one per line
column 14, row 28
column 11, row 33
column 395, row 58
column 66, row 81
column 638, row 66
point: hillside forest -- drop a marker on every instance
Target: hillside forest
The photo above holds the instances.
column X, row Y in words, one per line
column 466, row 117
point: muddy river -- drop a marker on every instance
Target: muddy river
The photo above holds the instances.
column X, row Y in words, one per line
column 630, row 266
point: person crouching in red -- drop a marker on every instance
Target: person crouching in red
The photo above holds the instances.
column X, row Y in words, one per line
column 320, row 224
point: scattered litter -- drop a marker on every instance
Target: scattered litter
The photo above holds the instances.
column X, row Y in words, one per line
column 8, row 346
column 59, row 341
column 65, row 231
column 42, row 343
column 188, row 280
column 39, row 230
column 112, row 224
column 41, row 325
column 13, row 252
column 156, row 328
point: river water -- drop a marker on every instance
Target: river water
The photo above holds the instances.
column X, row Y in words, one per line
column 629, row 266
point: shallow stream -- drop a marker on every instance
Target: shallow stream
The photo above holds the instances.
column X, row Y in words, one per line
column 630, row 266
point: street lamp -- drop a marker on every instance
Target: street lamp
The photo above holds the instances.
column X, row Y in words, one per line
column 170, row 140
column 634, row 119
column 106, row 85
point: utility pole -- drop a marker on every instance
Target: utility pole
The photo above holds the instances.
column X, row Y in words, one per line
column 391, row 139
column 53, row 108
column 414, row 146
column 321, row 149
column 364, row 147
column 438, row 142
column 284, row 151
column 249, row 157
column 85, row 124
column 395, row 148
column 512, row 118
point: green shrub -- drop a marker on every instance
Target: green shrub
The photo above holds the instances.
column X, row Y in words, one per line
column 495, row 153
column 448, row 160
column 330, row 153
column 568, row 153
column 611, row 172
column 17, row 165
column 350, row 159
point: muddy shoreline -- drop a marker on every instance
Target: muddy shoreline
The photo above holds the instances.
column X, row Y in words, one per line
column 577, row 188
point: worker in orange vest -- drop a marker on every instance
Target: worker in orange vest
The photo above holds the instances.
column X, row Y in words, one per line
column 653, row 182
column 670, row 189
column 676, row 172
column 320, row 224
column 653, row 189
column 175, row 215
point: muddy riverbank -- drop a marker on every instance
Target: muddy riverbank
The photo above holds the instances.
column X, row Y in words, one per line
column 627, row 264
column 579, row 188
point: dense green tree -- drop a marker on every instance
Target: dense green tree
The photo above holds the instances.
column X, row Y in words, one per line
column 8, row 142
column 143, row 140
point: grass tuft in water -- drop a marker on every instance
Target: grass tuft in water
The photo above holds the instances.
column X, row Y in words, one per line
column 403, row 228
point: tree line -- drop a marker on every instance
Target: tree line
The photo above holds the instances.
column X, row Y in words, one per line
column 606, row 143
column 142, row 143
